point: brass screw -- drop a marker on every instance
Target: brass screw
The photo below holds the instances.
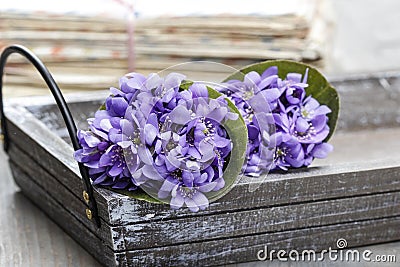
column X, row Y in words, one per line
column 89, row 214
column 85, row 196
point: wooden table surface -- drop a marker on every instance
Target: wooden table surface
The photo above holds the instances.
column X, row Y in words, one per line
column 29, row 238
column 362, row 36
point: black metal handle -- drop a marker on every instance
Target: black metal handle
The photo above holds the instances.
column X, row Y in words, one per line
column 92, row 212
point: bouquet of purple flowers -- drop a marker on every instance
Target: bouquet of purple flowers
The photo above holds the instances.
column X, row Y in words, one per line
column 185, row 143
column 301, row 123
column 171, row 138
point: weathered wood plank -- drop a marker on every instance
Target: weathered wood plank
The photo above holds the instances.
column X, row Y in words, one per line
column 50, row 116
column 299, row 186
column 40, row 143
column 313, row 184
column 347, row 86
column 263, row 220
column 27, row 236
column 168, row 232
column 221, row 251
column 368, row 100
column 64, row 197
column 244, row 249
column 63, row 218
column 368, row 144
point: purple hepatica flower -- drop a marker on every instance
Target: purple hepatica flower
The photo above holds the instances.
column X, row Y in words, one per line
column 293, row 88
column 311, row 108
column 311, row 132
column 144, row 93
column 253, row 85
column 102, row 156
column 301, row 123
column 116, row 106
column 319, row 151
column 255, row 98
column 130, row 86
column 183, row 129
column 307, row 135
column 120, row 141
column 118, row 101
column 288, row 152
column 92, row 148
column 191, row 148
column 306, row 132
column 159, row 96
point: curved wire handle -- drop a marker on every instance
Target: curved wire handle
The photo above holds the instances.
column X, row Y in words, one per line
column 92, row 212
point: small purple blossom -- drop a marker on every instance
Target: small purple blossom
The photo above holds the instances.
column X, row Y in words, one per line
column 102, row 155
column 167, row 141
column 300, row 122
column 190, row 147
column 288, row 152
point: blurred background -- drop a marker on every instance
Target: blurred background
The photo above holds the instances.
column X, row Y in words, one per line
column 89, row 44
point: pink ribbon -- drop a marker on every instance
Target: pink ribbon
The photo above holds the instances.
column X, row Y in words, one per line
column 130, row 29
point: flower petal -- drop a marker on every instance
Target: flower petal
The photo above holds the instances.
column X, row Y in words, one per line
column 151, row 173
column 105, row 160
column 105, row 125
column 322, row 110
column 270, row 71
column 208, row 187
column 115, row 170
column 177, row 201
column 295, row 77
column 198, row 90
column 145, row 155
column 150, row 133
column 302, row 125
column 180, row 115
column 118, row 106
column 173, row 80
column 201, row 200
column 322, row 150
column 191, row 205
column 91, row 140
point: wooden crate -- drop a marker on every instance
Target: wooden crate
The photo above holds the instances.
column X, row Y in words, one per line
column 356, row 196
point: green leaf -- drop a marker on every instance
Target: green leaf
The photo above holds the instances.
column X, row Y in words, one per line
column 138, row 194
column 185, row 85
column 318, row 86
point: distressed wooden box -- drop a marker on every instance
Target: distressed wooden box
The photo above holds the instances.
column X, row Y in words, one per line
column 355, row 194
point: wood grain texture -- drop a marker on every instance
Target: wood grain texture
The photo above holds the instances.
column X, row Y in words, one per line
column 353, row 185
column 299, row 186
column 63, row 217
column 244, row 248
column 27, row 236
column 168, row 232
column 368, row 101
column 293, row 206
column 215, row 252
column 62, row 195
column 40, row 144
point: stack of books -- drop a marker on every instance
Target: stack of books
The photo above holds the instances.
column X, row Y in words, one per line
column 91, row 50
